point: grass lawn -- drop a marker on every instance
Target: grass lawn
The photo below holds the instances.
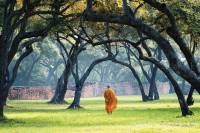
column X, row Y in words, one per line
column 131, row 116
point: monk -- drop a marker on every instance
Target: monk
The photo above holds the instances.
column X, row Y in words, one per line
column 110, row 100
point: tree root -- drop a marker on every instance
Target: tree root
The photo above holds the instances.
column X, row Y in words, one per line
column 73, row 106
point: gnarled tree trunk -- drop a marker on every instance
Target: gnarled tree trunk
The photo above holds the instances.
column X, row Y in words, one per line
column 183, row 105
column 190, row 100
column 80, row 82
column 3, row 69
column 61, row 88
column 58, row 97
column 77, row 96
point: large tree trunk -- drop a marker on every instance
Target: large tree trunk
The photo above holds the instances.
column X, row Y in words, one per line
column 183, row 105
column 58, row 97
column 190, row 100
column 1, row 111
column 3, row 69
column 2, row 103
column 61, row 88
column 77, row 96
column 80, row 81
column 5, row 80
column 144, row 96
column 153, row 91
column 3, row 98
column 156, row 94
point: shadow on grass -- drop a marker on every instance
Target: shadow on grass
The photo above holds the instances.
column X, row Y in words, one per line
column 120, row 116
column 40, row 114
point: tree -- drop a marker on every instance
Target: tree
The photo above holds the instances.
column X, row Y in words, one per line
column 24, row 22
column 79, row 81
column 153, row 91
column 71, row 56
column 129, row 18
column 130, row 66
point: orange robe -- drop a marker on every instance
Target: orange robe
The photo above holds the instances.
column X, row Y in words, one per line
column 110, row 100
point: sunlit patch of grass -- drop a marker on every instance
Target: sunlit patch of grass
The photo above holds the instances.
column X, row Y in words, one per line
column 131, row 116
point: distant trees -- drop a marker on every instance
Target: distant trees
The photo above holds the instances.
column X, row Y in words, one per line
column 26, row 69
column 41, row 67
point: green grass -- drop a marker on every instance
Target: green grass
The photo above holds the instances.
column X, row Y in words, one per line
column 131, row 116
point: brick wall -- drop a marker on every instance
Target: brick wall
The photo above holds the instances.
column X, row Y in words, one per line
column 89, row 90
column 30, row 93
column 122, row 88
